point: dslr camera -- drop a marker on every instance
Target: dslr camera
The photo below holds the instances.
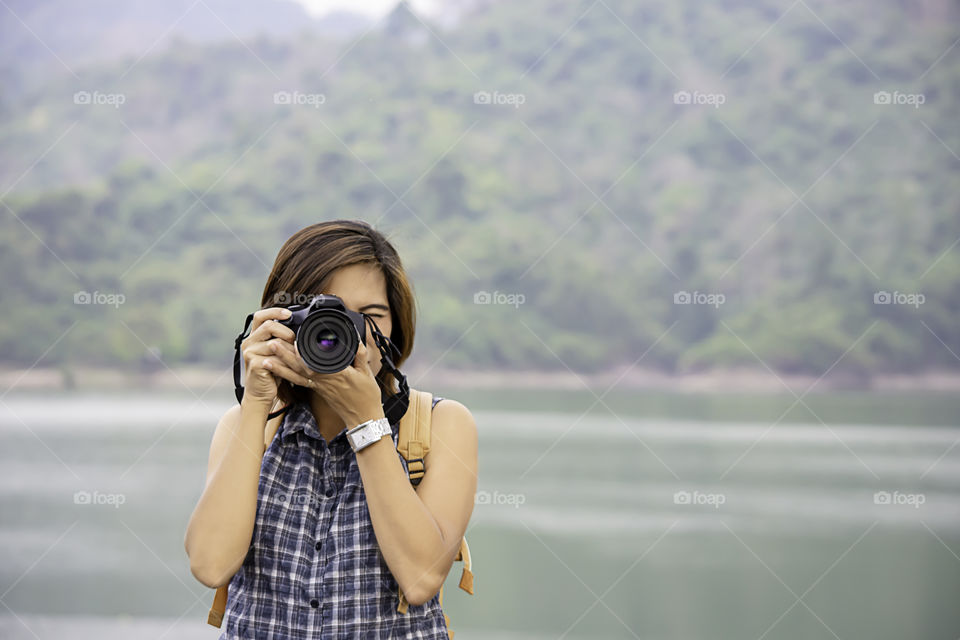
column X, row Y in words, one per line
column 328, row 334
column 328, row 337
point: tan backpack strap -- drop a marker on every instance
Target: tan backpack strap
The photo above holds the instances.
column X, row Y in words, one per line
column 402, row 605
column 413, row 439
column 466, row 577
column 215, row 617
column 413, row 443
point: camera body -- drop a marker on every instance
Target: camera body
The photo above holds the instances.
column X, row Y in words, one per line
column 328, row 334
column 328, row 337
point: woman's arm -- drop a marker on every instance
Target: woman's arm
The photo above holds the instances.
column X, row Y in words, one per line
column 419, row 531
column 220, row 529
column 221, row 526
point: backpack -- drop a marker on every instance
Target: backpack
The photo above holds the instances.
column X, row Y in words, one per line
column 413, row 443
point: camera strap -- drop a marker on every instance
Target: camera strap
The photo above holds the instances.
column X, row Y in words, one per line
column 394, row 406
column 237, row 359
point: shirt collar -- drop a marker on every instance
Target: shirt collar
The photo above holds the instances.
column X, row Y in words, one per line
column 299, row 418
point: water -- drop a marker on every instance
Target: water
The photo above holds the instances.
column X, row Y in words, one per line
column 655, row 516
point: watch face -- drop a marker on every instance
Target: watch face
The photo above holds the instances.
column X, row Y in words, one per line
column 369, row 434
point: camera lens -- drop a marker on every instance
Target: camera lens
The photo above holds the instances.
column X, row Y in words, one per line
column 327, row 340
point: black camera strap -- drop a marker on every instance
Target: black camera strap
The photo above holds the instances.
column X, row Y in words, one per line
column 394, row 406
column 237, row 367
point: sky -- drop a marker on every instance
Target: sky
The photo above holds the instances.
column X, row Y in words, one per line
column 373, row 8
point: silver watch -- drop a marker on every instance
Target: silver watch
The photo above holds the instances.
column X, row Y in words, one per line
column 364, row 435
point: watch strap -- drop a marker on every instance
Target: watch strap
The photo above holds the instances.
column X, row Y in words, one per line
column 366, row 433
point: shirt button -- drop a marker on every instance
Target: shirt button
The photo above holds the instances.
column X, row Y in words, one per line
column 314, row 603
column 330, row 492
column 317, row 546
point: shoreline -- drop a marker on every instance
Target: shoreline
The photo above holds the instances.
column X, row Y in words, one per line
column 714, row 381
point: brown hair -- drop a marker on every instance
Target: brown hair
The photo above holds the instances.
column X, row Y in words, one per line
column 304, row 266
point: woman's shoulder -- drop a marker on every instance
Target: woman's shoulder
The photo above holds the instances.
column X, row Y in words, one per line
column 449, row 407
column 451, row 416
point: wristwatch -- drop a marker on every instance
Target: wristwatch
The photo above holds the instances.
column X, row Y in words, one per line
column 365, row 434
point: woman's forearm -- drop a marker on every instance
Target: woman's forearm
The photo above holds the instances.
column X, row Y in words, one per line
column 410, row 540
column 218, row 535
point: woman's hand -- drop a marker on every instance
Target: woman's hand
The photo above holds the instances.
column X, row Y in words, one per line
column 353, row 392
column 256, row 350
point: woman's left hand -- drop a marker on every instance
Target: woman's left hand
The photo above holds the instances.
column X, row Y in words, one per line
column 353, row 392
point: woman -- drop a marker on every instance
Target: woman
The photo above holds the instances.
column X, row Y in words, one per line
column 313, row 537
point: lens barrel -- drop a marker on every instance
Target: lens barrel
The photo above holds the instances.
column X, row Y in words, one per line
column 327, row 340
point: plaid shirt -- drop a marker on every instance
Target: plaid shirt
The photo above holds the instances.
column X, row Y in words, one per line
column 314, row 569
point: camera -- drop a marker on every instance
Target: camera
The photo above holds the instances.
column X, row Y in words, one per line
column 328, row 334
column 328, row 337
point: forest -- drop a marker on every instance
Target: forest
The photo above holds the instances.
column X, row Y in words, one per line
column 570, row 185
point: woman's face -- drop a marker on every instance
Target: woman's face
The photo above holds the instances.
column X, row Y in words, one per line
column 363, row 289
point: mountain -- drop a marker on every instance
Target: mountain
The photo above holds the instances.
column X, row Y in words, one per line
column 695, row 186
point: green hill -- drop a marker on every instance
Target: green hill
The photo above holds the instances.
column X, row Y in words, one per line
column 542, row 149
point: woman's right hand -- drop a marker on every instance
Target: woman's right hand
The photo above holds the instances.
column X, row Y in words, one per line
column 261, row 384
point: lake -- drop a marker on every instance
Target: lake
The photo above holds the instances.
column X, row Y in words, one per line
column 644, row 515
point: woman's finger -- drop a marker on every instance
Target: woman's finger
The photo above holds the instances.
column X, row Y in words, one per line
column 255, row 349
column 267, row 332
column 290, row 356
column 360, row 362
column 270, row 313
column 278, row 368
column 270, row 328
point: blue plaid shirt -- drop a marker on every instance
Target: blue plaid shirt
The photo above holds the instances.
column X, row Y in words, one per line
column 314, row 569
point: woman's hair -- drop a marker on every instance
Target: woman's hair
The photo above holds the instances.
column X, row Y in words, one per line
column 305, row 263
